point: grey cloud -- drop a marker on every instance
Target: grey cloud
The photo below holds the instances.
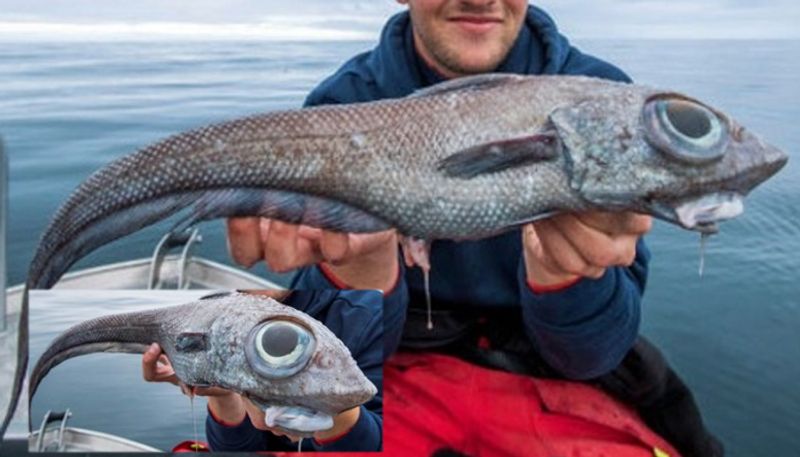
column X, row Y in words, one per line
column 202, row 11
column 578, row 18
column 677, row 18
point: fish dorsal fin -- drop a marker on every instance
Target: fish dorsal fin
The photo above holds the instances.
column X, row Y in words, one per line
column 501, row 155
column 477, row 82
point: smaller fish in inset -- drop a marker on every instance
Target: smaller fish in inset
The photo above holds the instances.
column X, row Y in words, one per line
column 281, row 359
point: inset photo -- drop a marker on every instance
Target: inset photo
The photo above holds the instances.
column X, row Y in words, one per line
column 203, row 371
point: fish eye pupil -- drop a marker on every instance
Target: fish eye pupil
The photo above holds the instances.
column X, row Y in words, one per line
column 279, row 340
column 688, row 119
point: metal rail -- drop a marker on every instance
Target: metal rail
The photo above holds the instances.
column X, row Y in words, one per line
column 59, row 444
column 186, row 241
column 3, row 214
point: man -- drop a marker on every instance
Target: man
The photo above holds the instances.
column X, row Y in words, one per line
column 562, row 294
column 455, row 38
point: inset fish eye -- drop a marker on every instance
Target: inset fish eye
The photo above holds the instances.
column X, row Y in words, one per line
column 279, row 348
column 685, row 130
column 690, row 120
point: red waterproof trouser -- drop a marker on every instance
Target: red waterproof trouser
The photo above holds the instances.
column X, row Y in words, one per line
column 434, row 402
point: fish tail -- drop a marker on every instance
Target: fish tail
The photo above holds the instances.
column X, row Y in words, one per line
column 128, row 333
column 21, row 367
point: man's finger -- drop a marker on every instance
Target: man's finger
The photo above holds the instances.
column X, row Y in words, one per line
column 617, row 223
column 334, row 246
column 150, row 362
column 152, row 370
column 626, row 250
column 559, row 253
column 309, row 233
column 408, row 257
column 365, row 243
column 162, row 359
column 255, row 413
column 280, row 247
column 550, row 258
column 185, row 389
column 596, row 247
column 244, row 240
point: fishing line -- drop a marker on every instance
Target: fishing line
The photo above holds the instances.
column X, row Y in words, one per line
column 426, row 277
column 417, row 252
column 703, row 239
column 194, row 421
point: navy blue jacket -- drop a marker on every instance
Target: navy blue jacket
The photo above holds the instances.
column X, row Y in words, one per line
column 583, row 331
column 356, row 317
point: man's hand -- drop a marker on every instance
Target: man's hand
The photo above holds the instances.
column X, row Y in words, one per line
column 565, row 247
column 226, row 405
column 362, row 261
column 156, row 367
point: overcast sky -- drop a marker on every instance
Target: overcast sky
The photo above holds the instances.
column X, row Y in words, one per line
column 362, row 19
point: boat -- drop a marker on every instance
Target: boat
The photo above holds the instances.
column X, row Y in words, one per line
column 63, row 438
column 172, row 266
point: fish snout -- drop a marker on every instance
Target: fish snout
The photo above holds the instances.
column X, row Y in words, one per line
column 360, row 388
column 753, row 160
column 775, row 159
column 348, row 387
column 352, row 392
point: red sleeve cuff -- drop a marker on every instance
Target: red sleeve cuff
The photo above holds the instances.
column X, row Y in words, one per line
column 222, row 422
column 544, row 289
column 333, row 438
column 332, row 278
column 339, row 284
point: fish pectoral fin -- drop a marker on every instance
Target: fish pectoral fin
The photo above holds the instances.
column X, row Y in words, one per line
column 478, row 82
column 501, row 155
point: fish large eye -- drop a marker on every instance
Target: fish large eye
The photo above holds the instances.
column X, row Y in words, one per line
column 685, row 130
column 279, row 348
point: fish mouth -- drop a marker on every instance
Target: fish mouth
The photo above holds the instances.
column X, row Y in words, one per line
column 702, row 213
column 293, row 420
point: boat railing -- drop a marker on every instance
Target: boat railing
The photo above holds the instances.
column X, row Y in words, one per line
column 186, row 241
column 3, row 214
column 50, row 417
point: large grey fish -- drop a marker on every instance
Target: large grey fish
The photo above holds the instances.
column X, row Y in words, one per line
column 277, row 356
column 463, row 159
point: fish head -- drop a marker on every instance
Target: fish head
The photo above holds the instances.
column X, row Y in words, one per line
column 274, row 355
column 664, row 154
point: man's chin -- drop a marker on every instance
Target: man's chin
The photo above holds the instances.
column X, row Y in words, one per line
column 476, row 56
column 475, row 66
column 466, row 55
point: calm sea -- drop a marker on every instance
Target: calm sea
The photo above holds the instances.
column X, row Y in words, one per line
column 67, row 109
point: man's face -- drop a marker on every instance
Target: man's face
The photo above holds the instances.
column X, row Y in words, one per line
column 461, row 37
